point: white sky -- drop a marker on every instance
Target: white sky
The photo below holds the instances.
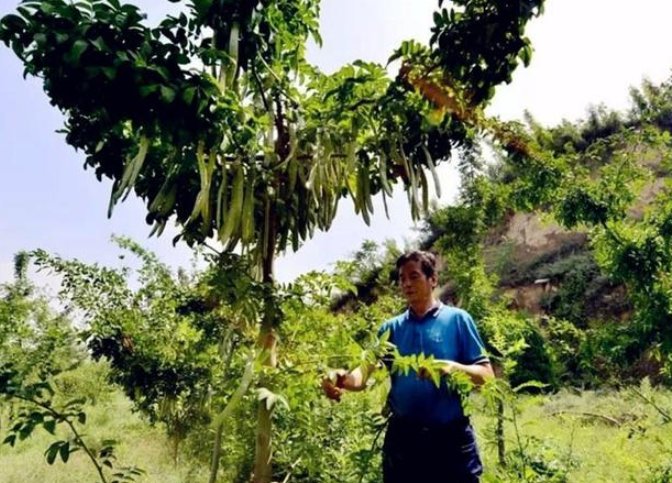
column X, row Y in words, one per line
column 586, row 52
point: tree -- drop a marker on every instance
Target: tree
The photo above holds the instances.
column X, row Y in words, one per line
column 255, row 147
column 170, row 348
column 34, row 337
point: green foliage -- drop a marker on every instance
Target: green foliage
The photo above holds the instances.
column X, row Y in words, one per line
column 172, row 343
column 552, row 427
column 37, row 409
column 596, row 176
column 89, row 381
column 662, row 474
column 652, row 104
column 538, row 462
column 457, row 382
column 607, row 351
column 34, row 337
column 37, row 351
column 316, row 440
column 481, row 43
column 175, row 346
column 518, row 347
column 565, row 343
column 580, row 281
column 184, row 139
column 370, row 275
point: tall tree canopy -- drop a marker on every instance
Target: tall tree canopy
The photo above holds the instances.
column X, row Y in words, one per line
column 216, row 117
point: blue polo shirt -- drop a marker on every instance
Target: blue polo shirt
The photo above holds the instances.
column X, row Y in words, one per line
column 446, row 333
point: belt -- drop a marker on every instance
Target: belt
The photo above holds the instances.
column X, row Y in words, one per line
column 411, row 425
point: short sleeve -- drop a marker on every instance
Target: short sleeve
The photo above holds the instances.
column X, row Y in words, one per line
column 472, row 349
column 388, row 358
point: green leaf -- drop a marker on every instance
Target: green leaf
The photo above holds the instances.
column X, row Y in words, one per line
column 526, row 55
column 10, row 440
column 202, row 6
column 52, row 451
column 65, row 452
column 100, row 44
column 77, row 49
column 435, row 376
column 110, row 72
column 397, row 54
column 75, row 402
column 167, row 94
column 13, row 22
column 50, row 425
column 26, row 431
column 162, row 71
column 384, row 337
column 40, row 39
column 188, row 94
column 148, row 89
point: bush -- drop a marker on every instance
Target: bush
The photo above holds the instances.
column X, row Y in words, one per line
column 606, row 352
column 534, row 363
column 517, row 344
column 89, row 380
column 564, row 340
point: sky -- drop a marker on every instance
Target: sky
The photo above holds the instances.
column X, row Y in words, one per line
column 587, row 52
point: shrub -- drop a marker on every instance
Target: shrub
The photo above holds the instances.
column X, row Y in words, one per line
column 89, row 381
column 516, row 341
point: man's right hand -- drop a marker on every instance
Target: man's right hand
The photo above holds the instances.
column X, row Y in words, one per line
column 333, row 384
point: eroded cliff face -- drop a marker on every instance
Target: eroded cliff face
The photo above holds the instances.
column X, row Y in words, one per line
column 538, row 262
column 545, row 269
column 534, row 234
column 528, row 246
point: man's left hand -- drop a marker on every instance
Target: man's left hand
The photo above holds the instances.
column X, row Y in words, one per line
column 448, row 367
column 443, row 367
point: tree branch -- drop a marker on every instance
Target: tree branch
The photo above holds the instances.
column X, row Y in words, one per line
column 59, row 417
column 666, row 416
column 607, row 419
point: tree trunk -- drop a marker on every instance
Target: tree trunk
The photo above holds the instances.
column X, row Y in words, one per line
column 267, row 342
column 176, row 447
column 216, row 449
column 262, row 460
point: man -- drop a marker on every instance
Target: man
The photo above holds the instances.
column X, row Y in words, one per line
column 429, row 439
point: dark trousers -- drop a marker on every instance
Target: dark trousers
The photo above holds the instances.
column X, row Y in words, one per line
column 413, row 453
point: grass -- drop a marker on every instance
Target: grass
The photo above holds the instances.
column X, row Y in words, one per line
column 589, row 437
column 578, row 437
column 139, row 444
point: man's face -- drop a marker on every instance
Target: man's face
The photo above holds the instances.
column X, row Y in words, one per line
column 415, row 285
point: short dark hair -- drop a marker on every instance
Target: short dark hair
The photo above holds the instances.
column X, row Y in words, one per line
column 427, row 262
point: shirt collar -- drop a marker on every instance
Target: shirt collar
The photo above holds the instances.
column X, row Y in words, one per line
column 432, row 313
